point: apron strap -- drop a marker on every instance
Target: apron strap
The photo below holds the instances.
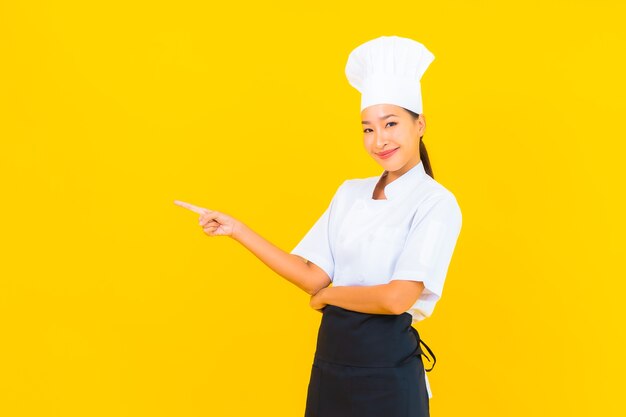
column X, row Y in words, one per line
column 419, row 339
column 427, row 358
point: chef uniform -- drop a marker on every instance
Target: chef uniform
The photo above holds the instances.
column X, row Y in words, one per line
column 370, row 365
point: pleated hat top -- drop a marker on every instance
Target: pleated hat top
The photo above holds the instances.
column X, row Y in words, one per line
column 388, row 70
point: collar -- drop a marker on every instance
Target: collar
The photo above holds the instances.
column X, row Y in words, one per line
column 405, row 183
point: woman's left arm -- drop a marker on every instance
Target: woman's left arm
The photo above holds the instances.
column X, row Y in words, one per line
column 395, row 297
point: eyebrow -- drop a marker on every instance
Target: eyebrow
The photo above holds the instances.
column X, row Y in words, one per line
column 365, row 122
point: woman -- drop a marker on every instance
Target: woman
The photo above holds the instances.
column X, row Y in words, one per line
column 384, row 242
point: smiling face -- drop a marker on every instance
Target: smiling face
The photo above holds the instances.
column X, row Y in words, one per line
column 387, row 127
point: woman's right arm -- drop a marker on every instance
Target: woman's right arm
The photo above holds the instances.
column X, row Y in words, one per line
column 295, row 269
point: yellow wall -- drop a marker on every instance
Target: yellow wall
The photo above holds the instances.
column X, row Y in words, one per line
column 114, row 303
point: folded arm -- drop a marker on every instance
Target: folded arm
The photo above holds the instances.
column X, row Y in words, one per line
column 395, row 297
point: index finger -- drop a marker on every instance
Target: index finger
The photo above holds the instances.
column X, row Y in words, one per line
column 191, row 207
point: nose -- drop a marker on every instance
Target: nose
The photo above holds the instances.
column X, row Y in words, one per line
column 380, row 139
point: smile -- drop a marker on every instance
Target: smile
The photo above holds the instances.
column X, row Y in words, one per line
column 387, row 154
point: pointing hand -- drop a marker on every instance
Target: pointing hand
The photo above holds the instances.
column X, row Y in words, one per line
column 213, row 223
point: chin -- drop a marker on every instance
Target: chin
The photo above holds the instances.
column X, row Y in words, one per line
column 392, row 166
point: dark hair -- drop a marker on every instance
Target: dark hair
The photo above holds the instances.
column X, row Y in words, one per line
column 423, row 153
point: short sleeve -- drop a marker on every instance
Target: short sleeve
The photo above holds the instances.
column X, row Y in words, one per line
column 315, row 246
column 429, row 245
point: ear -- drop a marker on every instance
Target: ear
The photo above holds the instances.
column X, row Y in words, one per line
column 421, row 125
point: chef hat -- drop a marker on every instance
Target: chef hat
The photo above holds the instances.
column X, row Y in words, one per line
column 388, row 70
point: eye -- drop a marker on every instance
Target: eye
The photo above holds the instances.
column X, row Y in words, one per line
column 389, row 123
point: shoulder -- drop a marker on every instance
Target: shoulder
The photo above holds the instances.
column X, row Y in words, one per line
column 438, row 200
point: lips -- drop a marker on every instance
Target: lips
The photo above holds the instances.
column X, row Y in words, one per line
column 387, row 154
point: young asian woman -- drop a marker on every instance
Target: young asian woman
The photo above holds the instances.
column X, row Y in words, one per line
column 384, row 243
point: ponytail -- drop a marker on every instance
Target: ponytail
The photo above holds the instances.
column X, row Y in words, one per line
column 423, row 153
column 424, row 158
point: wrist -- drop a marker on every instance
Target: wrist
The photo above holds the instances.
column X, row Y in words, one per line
column 238, row 229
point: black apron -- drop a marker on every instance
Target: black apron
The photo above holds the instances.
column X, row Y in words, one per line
column 367, row 365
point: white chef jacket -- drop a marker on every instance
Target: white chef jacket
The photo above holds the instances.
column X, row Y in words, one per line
column 410, row 236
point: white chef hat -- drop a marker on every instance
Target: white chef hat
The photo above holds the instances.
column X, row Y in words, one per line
column 388, row 70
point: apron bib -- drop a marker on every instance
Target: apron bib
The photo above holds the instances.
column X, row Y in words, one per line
column 367, row 365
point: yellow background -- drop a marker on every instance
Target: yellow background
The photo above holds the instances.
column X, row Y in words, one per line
column 114, row 303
